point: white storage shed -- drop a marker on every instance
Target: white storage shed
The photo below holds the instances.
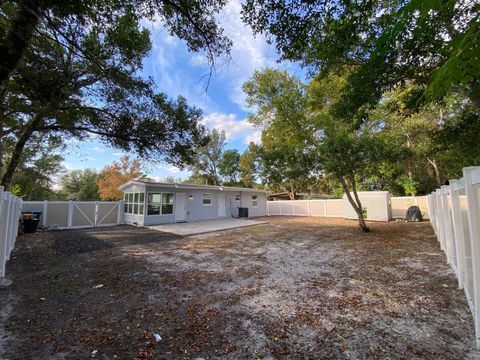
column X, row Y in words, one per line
column 376, row 203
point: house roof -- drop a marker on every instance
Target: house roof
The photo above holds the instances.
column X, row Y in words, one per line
column 189, row 186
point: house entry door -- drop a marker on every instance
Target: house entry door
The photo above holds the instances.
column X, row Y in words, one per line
column 180, row 207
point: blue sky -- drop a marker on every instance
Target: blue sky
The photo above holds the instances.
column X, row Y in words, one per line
column 179, row 72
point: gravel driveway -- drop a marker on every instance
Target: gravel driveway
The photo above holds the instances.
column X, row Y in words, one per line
column 306, row 288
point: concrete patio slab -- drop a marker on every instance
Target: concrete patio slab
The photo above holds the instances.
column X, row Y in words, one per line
column 201, row 227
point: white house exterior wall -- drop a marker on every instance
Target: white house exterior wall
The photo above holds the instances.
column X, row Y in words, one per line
column 195, row 209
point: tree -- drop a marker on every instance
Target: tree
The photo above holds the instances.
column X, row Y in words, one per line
column 116, row 174
column 284, row 154
column 118, row 107
column 206, row 162
column 229, row 166
column 71, row 69
column 80, row 185
column 302, row 136
column 249, row 166
column 350, row 156
column 39, row 169
column 433, row 44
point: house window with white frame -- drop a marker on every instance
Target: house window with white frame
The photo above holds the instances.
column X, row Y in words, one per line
column 254, row 200
column 237, row 198
column 207, row 199
column 160, row 203
column 133, row 203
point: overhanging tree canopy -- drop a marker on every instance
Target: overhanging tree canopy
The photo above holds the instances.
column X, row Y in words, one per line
column 78, row 75
column 434, row 44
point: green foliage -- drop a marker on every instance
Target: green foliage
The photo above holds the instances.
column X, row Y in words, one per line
column 433, row 44
column 80, row 185
column 229, row 166
column 79, row 75
column 40, row 166
column 16, row 190
column 206, row 162
column 281, row 101
column 248, row 165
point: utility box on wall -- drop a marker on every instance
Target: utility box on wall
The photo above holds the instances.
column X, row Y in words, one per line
column 376, row 204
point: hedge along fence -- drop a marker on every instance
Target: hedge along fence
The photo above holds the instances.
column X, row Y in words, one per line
column 455, row 217
column 10, row 208
column 77, row 214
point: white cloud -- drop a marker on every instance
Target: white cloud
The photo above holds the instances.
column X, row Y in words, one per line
column 173, row 170
column 118, row 154
column 248, row 53
column 99, row 149
column 234, row 128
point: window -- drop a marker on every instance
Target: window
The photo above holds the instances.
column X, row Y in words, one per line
column 160, row 203
column 237, row 198
column 167, row 203
column 207, row 199
column 133, row 203
column 254, row 200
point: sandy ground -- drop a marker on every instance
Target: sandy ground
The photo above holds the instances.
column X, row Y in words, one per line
column 306, row 288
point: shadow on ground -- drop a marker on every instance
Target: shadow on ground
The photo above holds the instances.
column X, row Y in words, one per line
column 293, row 288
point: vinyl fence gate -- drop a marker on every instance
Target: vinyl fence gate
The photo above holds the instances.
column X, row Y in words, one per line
column 77, row 214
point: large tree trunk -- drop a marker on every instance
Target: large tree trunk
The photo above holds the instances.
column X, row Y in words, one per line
column 356, row 204
column 18, row 150
column 12, row 48
column 291, row 193
column 433, row 162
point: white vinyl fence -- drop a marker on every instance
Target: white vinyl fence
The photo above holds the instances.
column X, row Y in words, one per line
column 455, row 217
column 76, row 214
column 337, row 207
column 10, row 207
column 400, row 205
column 325, row 208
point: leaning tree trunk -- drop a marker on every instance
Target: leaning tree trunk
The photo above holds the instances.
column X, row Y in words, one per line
column 12, row 48
column 18, row 150
column 433, row 162
column 356, row 204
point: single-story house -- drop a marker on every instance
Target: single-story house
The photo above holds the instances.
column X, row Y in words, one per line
column 152, row 203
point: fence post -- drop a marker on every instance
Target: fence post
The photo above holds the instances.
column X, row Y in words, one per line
column 473, row 226
column 458, row 232
column 119, row 212
column 430, row 212
column 433, row 220
column 449, row 236
column 3, row 239
column 45, row 213
column 95, row 215
column 325, row 208
column 280, row 207
column 8, row 229
column 308, row 208
column 70, row 214
column 441, row 222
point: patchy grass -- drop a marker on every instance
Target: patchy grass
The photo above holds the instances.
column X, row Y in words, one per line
column 292, row 288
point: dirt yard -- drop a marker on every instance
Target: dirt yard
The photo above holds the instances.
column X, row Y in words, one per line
column 293, row 288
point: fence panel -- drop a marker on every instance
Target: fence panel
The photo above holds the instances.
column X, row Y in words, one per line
column 10, row 207
column 325, row 208
column 77, row 214
column 400, row 205
column 455, row 215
